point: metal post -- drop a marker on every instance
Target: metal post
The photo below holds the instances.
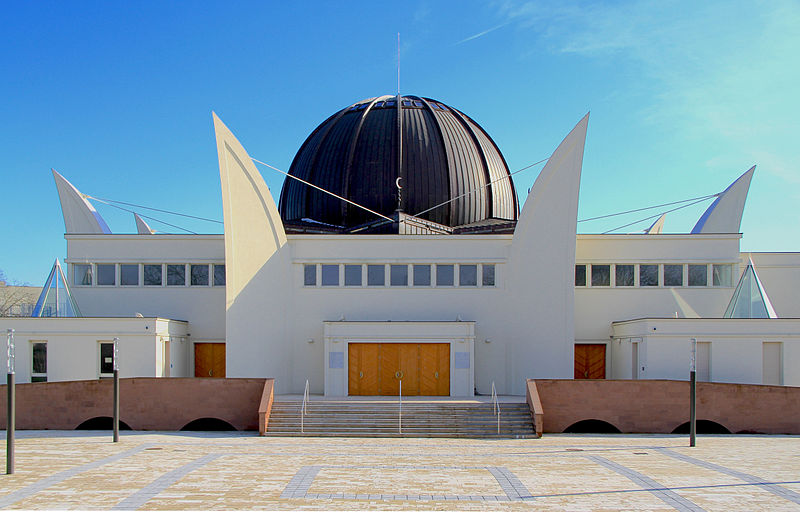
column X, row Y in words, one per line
column 400, row 415
column 11, row 418
column 116, row 390
column 693, row 394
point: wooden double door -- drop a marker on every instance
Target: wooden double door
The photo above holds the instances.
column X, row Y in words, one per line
column 378, row 368
column 590, row 361
column 209, row 360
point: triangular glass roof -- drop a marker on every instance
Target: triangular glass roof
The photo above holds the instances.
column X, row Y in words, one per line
column 749, row 299
column 56, row 299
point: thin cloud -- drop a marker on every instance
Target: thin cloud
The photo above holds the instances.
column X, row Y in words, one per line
column 481, row 34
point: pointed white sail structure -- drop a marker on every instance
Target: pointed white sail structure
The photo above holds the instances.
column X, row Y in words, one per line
column 658, row 226
column 79, row 214
column 56, row 299
column 750, row 299
column 725, row 213
column 257, row 261
column 141, row 226
column 542, row 261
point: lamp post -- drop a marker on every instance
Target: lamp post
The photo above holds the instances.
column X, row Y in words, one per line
column 693, row 393
column 115, row 362
column 11, row 413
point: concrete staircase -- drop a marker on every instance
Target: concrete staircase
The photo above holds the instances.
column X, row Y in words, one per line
column 379, row 418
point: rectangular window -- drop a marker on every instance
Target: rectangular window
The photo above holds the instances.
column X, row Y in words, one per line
column 309, row 275
column 673, row 275
column 106, row 359
column 580, row 275
column 422, row 275
column 376, row 275
column 219, row 275
column 129, row 275
column 468, row 275
column 39, row 361
column 82, row 275
column 176, row 275
column 488, row 275
column 107, row 274
column 444, row 275
column 722, row 275
column 330, row 275
column 648, row 275
column 698, row 275
column 398, row 275
column 352, row 275
column 601, row 275
column 153, row 275
column 199, row 275
column 623, row 275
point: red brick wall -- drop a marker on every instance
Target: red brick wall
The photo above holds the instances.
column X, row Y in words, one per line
column 145, row 403
column 658, row 406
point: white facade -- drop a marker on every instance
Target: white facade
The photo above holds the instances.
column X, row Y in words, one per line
column 289, row 304
column 147, row 347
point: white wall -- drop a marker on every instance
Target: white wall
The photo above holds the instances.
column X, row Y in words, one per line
column 202, row 306
column 736, row 346
column 73, row 351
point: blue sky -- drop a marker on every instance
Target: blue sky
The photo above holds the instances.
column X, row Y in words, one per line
column 117, row 96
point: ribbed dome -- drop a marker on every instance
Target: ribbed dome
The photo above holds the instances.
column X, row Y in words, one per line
column 445, row 154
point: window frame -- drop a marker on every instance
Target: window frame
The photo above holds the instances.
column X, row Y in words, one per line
column 39, row 376
column 168, row 265
column 97, row 274
column 100, row 362
column 138, row 274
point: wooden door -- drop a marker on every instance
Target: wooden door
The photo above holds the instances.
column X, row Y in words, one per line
column 590, row 361
column 409, row 368
column 388, row 369
column 362, row 368
column 434, row 372
column 209, row 360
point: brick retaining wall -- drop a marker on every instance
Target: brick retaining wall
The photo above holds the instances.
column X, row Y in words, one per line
column 145, row 403
column 659, row 406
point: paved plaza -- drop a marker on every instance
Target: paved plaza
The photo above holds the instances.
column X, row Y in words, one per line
column 186, row 470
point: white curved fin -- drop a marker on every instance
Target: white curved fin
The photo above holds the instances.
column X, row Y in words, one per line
column 79, row 214
column 552, row 203
column 141, row 226
column 657, row 227
column 253, row 227
column 725, row 213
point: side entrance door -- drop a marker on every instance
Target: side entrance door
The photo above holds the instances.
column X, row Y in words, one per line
column 209, row 360
column 590, row 361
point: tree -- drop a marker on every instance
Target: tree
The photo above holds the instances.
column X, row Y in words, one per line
column 15, row 298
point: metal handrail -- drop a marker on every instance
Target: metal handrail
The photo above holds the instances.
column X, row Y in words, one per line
column 496, row 406
column 400, row 415
column 304, row 409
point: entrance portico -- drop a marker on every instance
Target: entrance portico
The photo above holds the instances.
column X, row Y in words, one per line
column 372, row 357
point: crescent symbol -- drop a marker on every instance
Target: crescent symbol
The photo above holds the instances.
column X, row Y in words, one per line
column 397, row 182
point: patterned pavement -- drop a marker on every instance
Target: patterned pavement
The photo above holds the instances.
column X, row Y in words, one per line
column 192, row 470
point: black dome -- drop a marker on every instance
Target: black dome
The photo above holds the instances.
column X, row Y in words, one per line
column 445, row 154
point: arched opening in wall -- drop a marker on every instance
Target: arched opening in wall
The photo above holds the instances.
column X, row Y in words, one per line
column 102, row 423
column 592, row 427
column 703, row 427
column 208, row 425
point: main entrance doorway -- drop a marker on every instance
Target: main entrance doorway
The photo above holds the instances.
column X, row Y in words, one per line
column 590, row 361
column 378, row 368
column 209, row 360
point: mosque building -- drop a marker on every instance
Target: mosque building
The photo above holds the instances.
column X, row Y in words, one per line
column 398, row 253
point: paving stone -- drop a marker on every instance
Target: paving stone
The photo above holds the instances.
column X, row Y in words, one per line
column 84, row 470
